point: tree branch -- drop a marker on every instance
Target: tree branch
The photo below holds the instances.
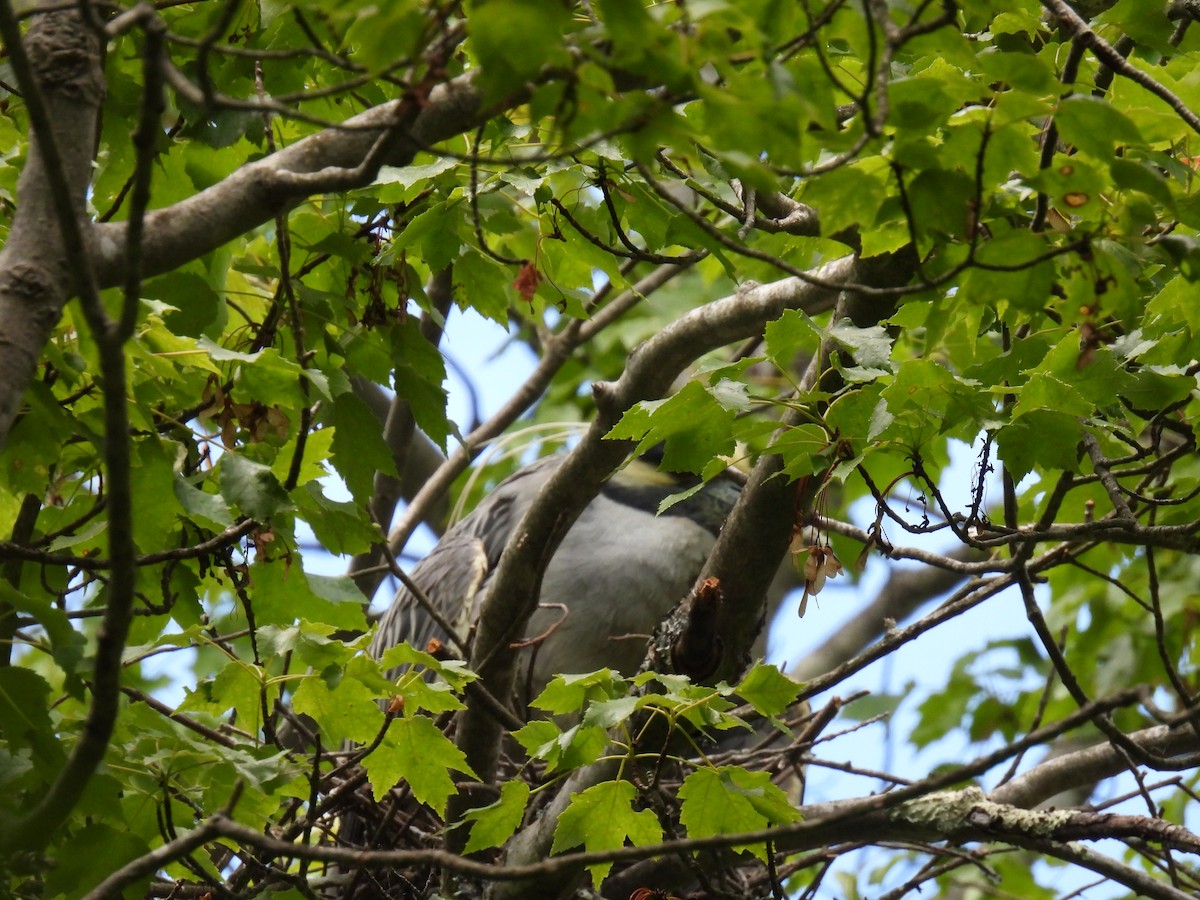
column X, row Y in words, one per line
column 61, row 74
column 259, row 191
column 1085, row 767
column 58, row 67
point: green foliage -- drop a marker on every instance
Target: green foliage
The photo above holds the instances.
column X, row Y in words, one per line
column 413, row 750
column 693, row 425
column 1025, row 225
column 603, row 818
column 733, row 801
column 495, row 824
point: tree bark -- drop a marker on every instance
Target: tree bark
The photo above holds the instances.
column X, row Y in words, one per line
column 35, row 281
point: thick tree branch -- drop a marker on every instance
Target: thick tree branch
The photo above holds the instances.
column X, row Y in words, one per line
column 331, row 160
column 756, row 536
column 39, row 271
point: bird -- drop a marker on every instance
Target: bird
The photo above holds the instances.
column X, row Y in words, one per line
column 619, row 570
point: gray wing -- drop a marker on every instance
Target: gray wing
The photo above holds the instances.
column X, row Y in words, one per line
column 454, row 572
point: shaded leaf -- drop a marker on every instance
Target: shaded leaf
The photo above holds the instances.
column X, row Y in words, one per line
column 495, row 824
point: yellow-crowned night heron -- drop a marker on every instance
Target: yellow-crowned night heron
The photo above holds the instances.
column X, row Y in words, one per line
column 618, row 571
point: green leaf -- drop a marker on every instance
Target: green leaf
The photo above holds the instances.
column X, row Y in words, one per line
column 413, row 750
column 791, row 334
column 1086, row 381
column 359, row 450
column 67, row 644
column 1094, row 126
column 692, row 424
column 940, row 201
column 495, row 824
column 537, row 736
column 732, row 395
column 252, row 488
column 568, row 693
column 869, row 347
column 283, row 594
column 1074, row 185
column 413, row 685
column 196, row 307
column 731, row 800
column 610, row 713
column 344, row 710
column 87, row 537
column 415, row 174
column 481, row 284
column 381, row 33
column 603, row 818
column 310, row 643
column 76, row 867
column 563, row 751
column 428, row 233
column 701, row 705
column 340, row 526
column 848, row 196
column 1044, row 391
column 404, row 654
column 266, row 375
column 1131, row 175
column 154, row 495
column 925, row 400
column 514, row 39
column 437, row 697
column 419, row 376
column 804, row 449
column 631, row 27
column 1041, row 438
column 208, row 509
column 876, row 704
column 768, row 690
column 1022, row 283
column 242, row 687
column 312, row 465
column 25, row 716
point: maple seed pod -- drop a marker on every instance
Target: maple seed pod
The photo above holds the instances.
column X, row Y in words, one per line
column 819, row 565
